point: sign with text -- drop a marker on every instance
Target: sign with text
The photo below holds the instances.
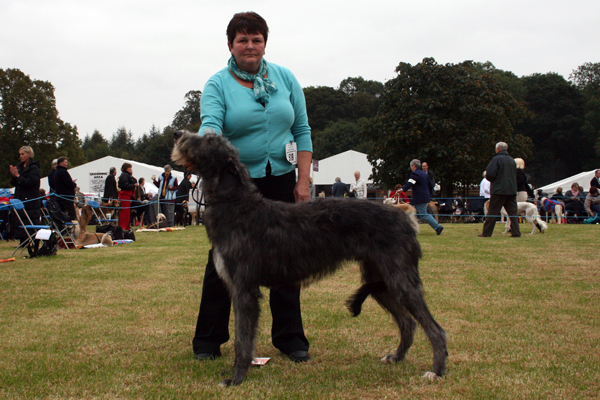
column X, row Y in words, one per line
column 97, row 180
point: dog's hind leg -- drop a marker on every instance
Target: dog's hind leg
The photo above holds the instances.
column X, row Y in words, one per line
column 415, row 303
column 405, row 322
column 247, row 310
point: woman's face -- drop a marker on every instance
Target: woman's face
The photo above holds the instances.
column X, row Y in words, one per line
column 24, row 156
column 248, row 50
column 130, row 170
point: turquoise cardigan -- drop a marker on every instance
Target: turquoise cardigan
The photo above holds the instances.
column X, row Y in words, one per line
column 259, row 132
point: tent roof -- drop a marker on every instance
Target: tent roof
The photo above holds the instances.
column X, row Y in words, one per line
column 343, row 166
column 91, row 176
column 582, row 178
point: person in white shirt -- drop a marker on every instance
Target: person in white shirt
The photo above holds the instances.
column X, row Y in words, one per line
column 484, row 187
column 359, row 188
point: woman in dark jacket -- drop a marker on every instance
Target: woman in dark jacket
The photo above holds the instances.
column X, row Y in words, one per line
column 524, row 191
column 26, row 180
column 127, row 184
column 575, row 200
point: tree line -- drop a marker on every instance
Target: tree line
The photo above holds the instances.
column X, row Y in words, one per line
column 449, row 115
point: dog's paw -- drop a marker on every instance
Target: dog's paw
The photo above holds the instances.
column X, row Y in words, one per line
column 431, row 376
column 227, row 382
column 390, row 359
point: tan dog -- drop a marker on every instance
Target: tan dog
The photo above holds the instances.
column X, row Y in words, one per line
column 412, row 213
column 161, row 222
column 111, row 207
column 83, row 238
column 434, row 206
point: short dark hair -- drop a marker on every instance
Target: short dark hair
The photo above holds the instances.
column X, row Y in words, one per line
column 60, row 160
column 249, row 23
column 112, row 170
column 125, row 166
column 594, row 191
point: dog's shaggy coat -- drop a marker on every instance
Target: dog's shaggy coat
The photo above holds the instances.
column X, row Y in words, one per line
column 258, row 242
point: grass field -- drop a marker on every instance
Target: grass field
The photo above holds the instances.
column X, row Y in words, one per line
column 522, row 316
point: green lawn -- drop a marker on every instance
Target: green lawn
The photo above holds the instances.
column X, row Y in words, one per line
column 522, row 316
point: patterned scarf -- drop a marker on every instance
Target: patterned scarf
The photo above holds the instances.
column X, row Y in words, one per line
column 262, row 86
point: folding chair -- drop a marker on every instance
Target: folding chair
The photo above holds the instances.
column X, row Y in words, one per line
column 3, row 207
column 61, row 223
column 99, row 213
column 17, row 205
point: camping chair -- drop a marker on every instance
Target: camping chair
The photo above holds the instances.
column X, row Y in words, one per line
column 3, row 207
column 17, row 205
column 99, row 213
column 60, row 222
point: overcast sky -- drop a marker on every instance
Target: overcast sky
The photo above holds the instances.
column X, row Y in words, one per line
column 130, row 63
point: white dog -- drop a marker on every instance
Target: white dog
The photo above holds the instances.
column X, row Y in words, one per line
column 531, row 215
column 556, row 213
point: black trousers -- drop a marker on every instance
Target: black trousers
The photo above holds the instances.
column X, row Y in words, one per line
column 67, row 206
column 212, row 327
column 497, row 201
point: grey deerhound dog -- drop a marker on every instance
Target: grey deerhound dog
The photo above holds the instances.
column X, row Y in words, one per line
column 258, row 242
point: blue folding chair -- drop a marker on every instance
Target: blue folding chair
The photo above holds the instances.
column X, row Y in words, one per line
column 100, row 216
column 18, row 207
column 3, row 207
column 64, row 229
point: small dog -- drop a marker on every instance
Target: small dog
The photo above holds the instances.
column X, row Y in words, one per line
column 161, row 222
column 412, row 214
column 258, row 242
column 83, row 238
column 110, row 207
column 557, row 212
column 531, row 214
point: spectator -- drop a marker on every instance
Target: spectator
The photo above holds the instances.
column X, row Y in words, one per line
column 592, row 202
column 26, row 180
column 182, row 195
column 65, row 188
column 51, row 175
column 484, row 188
column 167, row 190
column 558, row 195
column 339, row 188
column 127, row 184
column 398, row 196
column 421, row 186
column 431, row 176
column 595, row 182
column 359, row 187
column 502, row 173
column 141, row 202
column 111, row 192
column 574, row 201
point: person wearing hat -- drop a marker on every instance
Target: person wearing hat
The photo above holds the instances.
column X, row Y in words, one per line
column 167, row 190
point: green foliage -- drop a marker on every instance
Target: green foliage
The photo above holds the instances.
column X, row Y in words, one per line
column 189, row 116
column 587, row 80
column 561, row 148
column 335, row 115
column 95, row 147
column 28, row 116
column 448, row 115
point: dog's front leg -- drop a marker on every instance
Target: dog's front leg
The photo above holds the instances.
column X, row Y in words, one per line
column 247, row 310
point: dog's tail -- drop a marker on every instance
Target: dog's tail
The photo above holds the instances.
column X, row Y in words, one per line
column 354, row 303
column 540, row 224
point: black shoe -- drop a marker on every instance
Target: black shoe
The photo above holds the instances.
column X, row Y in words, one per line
column 299, row 356
column 207, row 356
column 482, row 235
column 439, row 230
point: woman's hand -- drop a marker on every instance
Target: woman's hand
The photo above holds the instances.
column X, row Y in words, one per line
column 14, row 171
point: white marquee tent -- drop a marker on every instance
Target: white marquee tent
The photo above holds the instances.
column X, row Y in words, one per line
column 91, row 176
column 343, row 165
column 583, row 179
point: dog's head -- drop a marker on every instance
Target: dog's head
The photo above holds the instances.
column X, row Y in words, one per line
column 206, row 155
column 215, row 160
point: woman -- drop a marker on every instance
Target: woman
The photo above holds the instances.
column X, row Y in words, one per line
column 398, row 196
column 524, row 191
column 167, row 190
column 127, row 184
column 260, row 108
column 26, row 180
column 141, row 201
column 574, row 201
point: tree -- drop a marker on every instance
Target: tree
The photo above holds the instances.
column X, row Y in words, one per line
column 28, row 116
column 189, row 116
column 122, row 144
column 338, row 137
column 560, row 147
column 448, row 115
column 587, row 79
column 95, row 147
